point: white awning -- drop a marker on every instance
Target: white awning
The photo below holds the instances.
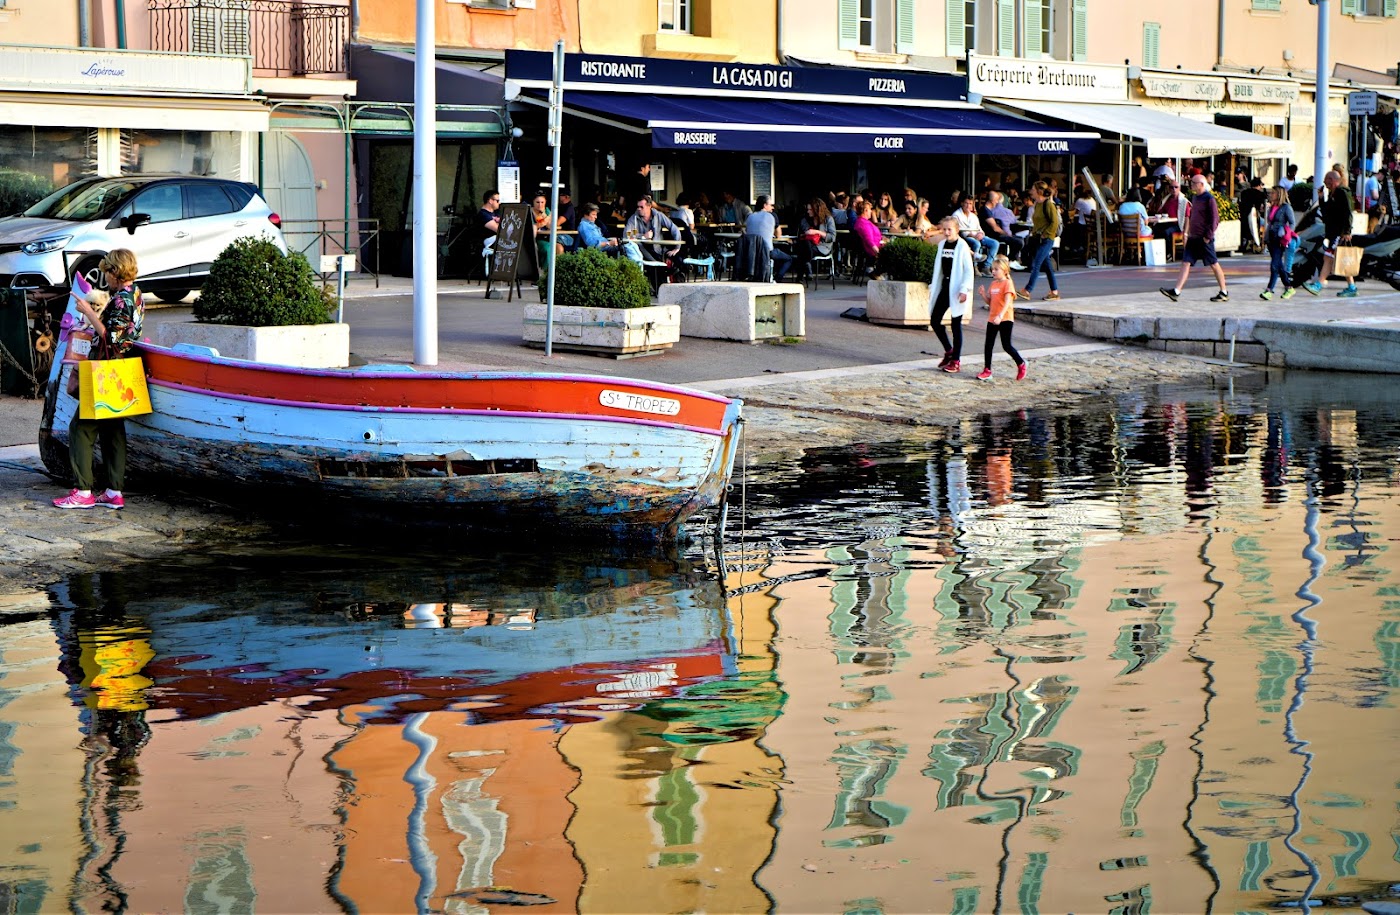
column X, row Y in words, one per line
column 1166, row 135
column 43, row 109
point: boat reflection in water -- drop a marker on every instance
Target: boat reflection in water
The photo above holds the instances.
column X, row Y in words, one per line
column 371, row 741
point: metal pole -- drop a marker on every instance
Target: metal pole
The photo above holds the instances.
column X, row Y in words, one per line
column 1365, row 167
column 1320, row 109
column 556, row 122
column 121, row 24
column 340, row 290
column 425, row 327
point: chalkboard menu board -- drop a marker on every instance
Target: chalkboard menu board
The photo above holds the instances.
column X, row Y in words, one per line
column 513, row 257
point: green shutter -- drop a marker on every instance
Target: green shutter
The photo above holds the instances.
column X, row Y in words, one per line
column 1006, row 28
column 1267, row 5
column 1081, row 30
column 1390, row 8
column 848, row 24
column 1349, row 8
column 904, row 26
column 1033, row 28
column 1151, row 44
column 957, row 27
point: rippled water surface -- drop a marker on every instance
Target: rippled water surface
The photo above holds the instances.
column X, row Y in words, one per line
column 1139, row 657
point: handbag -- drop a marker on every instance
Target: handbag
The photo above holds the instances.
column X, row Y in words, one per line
column 1347, row 261
column 112, row 388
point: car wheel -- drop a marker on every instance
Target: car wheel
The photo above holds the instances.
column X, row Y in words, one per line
column 171, row 296
column 87, row 269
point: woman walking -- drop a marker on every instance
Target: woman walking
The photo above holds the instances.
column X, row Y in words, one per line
column 951, row 286
column 1045, row 226
column 1282, row 243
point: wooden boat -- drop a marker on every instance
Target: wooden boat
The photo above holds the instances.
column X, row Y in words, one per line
column 490, row 449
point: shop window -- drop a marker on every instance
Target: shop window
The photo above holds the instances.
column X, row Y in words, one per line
column 39, row 159
column 1378, row 8
column 1151, row 44
column 220, row 27
column 183, row 152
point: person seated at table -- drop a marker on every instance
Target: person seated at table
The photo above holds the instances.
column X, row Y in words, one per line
column 762, row 224
column 700, row 206
column 970, row 228
column 590, row 236
column 909, row 222
column 568, row 218
column 929, row 230
column 885, row 215
column 910, row 196
column 541, row 220
column 866, row 235
column 1077, row 232
column 997, row 222
column 840, row 215
column 1169, row 207
column 682, row 213
column 650, row 223
column 1132, row 206
column 733, row 211
column 487, row 219
column 817, row 235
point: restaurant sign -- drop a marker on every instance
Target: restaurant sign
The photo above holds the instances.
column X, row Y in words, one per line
column 1046, row 80
column 105, row 70
column 1268, row 92
column 1176, row 85
column 665, row 76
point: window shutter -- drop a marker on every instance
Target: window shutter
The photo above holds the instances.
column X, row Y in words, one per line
column 1033, row 28
column 1151, row 44
column 1390, row 8
column 957, row 27
column 848, row 24
column 1006, row 28
column 904, row 26
column 1267, row 5
column 1349, row 8
column 1081, row 30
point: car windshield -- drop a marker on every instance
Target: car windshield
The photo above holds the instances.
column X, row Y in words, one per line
column 84, row 201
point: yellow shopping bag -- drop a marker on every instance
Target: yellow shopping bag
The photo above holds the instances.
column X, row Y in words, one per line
column 112, row 388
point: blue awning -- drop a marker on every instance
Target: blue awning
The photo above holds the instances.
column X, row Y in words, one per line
column 763, row 125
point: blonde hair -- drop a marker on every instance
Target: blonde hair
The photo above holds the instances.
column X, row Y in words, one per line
column 1001, row 261
column 121, row 263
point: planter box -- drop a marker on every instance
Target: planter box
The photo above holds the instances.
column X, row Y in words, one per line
column 312, row 346
column 747, row 312
column 607, row 331
column 896, row 303
column 1227, row 236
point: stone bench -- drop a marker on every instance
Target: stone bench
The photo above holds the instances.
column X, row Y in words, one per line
column 747, row 312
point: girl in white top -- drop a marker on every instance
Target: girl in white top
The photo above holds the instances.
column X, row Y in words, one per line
column 951, row 291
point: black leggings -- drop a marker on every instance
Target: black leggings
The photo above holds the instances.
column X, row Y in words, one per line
column 940, row 308
column 1002, row 330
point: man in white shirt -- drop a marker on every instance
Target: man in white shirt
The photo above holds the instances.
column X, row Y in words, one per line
column 1291, row 179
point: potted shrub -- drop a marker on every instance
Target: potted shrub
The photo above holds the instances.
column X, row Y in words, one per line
column 262, row 305
column 1227, row 236
column 602, row 304
column 900, row 298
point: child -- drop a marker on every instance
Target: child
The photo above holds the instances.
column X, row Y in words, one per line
column 1001, row 299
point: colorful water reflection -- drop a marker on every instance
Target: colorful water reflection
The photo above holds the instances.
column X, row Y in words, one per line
column 1132, row 658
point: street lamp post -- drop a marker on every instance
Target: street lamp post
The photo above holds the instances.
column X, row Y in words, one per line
column 425, row 315
column 1320, row 115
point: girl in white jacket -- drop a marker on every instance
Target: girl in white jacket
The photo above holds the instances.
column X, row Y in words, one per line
column 951, row 291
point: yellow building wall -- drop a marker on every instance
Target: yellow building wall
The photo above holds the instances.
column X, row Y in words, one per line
column 461, row 26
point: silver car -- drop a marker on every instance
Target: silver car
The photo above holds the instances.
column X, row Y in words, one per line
column 176, row 225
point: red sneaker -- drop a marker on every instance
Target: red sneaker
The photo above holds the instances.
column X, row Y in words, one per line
column 114, row 502
column 947, row 354
column 76, row 499
column 1021, row 372
column 953, row 367
column 984, row 375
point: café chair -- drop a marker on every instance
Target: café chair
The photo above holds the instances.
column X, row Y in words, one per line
column 1129, row 239
column 822, row 266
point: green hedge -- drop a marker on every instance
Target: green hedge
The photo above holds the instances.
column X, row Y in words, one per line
column 591, row 278
column 906, row 259
column 252, row 283
column 20, row 190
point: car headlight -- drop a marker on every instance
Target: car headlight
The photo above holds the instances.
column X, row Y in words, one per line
column 45, row 245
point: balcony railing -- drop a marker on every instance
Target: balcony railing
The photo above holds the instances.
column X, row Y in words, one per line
column 284, row 37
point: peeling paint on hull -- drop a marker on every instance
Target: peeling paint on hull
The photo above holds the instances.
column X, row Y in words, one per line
column 491, row 448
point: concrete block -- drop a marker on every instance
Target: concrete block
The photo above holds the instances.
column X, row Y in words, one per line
column 1098, row 327
column 1239, row 328
column 731, row 311
column 1045, row 317
column 312, row 346
column 1188, row 328
column 1251, row 353
column 1277, row 359
column 898, row 304
column 1202, row 348
column 1132, row 327
column 613, row 330
column 1335, row 346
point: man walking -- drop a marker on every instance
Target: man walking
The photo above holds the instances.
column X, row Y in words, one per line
column 1336, row 222
column 1201, row 223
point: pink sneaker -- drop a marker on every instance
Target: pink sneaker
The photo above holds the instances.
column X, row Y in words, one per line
column 1021, row 372
column 984, row 375
column 953, row 367
column 114, row 502
column 75, row 499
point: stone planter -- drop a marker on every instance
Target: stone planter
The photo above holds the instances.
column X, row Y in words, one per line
column 607, row 331
column 897, row 303
column 313, row 346
column 747, row 312
column 1227, row 236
